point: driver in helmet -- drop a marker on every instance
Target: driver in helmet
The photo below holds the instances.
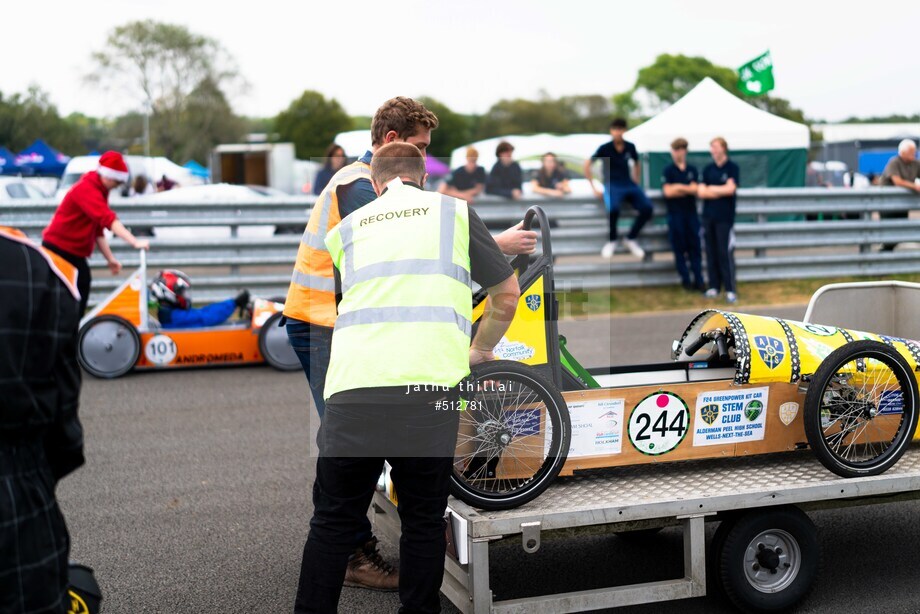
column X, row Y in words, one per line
column 172, row 290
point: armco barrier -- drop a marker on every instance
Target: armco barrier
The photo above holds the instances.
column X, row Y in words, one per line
column 774, row 227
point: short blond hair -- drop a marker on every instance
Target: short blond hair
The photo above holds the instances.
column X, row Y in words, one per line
column 721, row 141
column 471, row 152
column 397, row 160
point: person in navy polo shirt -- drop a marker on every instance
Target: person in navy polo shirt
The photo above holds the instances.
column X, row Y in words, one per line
column 679, row 185
column 718, row 185
column 619, row 186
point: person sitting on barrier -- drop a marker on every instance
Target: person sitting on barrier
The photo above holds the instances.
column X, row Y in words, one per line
column 172, row 290
column 468, row 181
column 902, row 171
column 551, row 179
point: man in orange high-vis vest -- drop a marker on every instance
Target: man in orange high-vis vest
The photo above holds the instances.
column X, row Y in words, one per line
column 310, row 309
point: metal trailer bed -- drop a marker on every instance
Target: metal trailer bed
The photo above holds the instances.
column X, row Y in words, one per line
column 627, row 498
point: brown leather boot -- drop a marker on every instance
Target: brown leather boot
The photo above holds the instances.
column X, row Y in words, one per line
column 367, row 569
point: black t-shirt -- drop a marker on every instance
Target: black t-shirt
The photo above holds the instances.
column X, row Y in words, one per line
column 488, row 267
column 721, row 209
column 463, row 179
column 616, row 163
column 504, row 179
column 551, row 181
column 673, row 174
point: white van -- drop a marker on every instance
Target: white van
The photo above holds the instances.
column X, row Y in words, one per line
column 153, row 168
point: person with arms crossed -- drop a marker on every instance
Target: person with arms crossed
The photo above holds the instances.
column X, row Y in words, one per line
column 717, row 189
column 400, row 349
column 619, row 186
column 679, row 186
column 78, row 223
column 901, row 171
column 468, row 181
column 551, row 179
column 41, row 439
column 309, row 309
column 506, row 176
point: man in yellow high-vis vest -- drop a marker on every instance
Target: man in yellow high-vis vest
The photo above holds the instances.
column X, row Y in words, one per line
column 310, row 306
column 400, row 348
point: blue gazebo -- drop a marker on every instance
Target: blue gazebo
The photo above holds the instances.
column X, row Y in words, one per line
column 39, row 158
column 8, row 164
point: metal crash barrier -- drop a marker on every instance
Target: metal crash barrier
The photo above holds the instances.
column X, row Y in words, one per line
column 782, row 233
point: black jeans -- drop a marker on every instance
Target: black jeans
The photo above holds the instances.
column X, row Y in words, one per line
column 344, row 487
column 720, row 253
column 84, row 277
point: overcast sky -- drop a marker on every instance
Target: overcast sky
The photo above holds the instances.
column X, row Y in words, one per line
column 832, row 59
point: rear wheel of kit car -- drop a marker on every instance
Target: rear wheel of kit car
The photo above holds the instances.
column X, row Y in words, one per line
column 276, row 347
column 513, row 437
column 861, row 409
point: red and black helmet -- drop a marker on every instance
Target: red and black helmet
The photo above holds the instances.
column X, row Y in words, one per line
column 172, row 287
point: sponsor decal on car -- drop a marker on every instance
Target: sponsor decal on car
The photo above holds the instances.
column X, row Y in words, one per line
column 730, row 416
column 597, row 427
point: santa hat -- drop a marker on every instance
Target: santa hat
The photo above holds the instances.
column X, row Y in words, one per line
column 112, row 166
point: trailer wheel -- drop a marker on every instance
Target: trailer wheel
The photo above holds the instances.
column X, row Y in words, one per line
column 276, row 347
column 108, row 346
column 766, row 560
column 861, row 409
column 513, row 437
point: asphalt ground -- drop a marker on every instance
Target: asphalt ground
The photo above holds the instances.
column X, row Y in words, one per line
column 194, row 499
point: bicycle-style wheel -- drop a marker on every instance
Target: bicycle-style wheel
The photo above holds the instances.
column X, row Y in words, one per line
column 513, row 437
column 861, row 409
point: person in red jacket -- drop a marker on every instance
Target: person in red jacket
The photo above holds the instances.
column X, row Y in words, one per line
column 78, row 223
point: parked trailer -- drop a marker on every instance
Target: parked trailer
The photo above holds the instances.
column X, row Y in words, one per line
column 757, row 501
column 857, row 391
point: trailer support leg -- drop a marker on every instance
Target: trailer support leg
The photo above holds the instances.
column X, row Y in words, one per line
column 695, row 554
column 480, row 592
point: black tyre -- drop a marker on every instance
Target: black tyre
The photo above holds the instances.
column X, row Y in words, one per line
column 108, row 346
column 276, row 347
column 514, row 436
column 861, row 409
column 766, row 560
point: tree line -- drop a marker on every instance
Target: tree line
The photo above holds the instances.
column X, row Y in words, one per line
column 184, row 82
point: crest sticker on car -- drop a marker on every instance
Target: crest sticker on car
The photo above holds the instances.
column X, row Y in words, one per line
column 788, row 412
column 532, row 301
column 771, row 350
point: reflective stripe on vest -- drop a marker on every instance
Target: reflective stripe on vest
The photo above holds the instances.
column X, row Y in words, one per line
column 311, row 295
column 443, row 264
column 394, row 327
column 62, row 269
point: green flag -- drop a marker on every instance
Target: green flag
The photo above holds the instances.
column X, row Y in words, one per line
column 756, row 77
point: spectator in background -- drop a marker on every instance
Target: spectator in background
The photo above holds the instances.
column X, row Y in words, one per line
column 679, row 185
column 141, row 186
column 165, row 184
column 717, row 188
column 468, row 181
column 332, row 162
column 506, row 176
column 76, row 228
column 551, row 179
column 901, row 171
column 619, row 186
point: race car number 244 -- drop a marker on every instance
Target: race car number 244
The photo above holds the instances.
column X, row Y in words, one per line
column 659, row 423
